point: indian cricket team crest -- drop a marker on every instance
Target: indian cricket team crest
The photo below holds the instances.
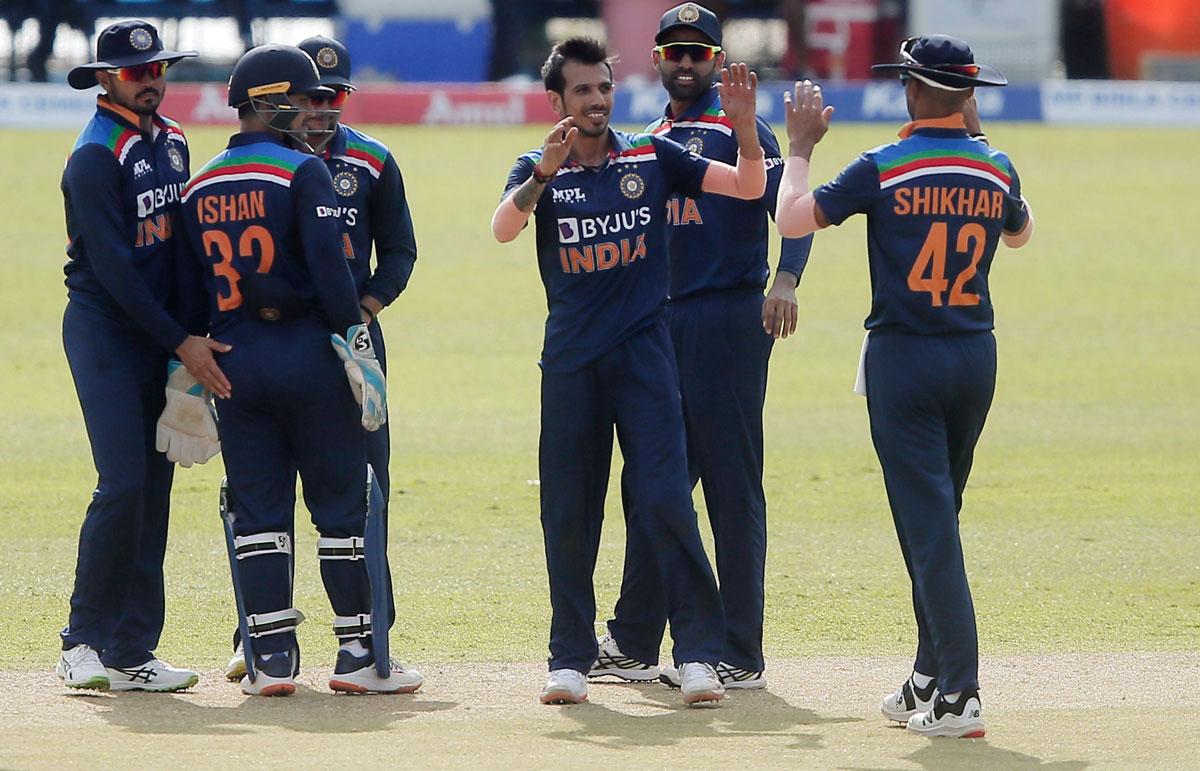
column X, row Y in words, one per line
column 176, row 159
column 327, row 58
column 632, row 186
column 141, row 39
column 345, row 183
column 695, row 144
column 689, row 14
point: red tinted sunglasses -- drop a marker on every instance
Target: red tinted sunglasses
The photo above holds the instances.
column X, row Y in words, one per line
column 699, row 52
column 138, row 71
column 337, row 101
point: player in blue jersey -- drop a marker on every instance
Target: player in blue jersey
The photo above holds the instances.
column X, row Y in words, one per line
column 938, row 204
column 722, row 331
column 600, row 197
column 121, row 190
column 261, row 218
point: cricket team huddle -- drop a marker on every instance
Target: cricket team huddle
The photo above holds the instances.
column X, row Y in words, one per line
column 233, row 309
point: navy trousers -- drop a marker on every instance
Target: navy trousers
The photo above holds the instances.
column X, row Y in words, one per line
column 634, row 387
column 928, row 398
column 292, row 411
column 722, row 355
column 117, row 604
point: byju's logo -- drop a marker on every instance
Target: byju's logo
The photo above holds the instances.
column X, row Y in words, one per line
column 568, row 230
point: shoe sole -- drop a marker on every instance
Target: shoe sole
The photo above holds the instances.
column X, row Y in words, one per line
column 626, row 675
column 345, row 686
column 902, row 717
column 97, row 683
column 952, row 732
column 703, row 698
column 744, row 685
column 125, row 687
column 562, row 697
column 276, row 689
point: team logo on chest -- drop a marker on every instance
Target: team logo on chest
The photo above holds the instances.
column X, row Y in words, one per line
column 176, row 159
column 345, row 183
column 695, row 143
column 632, row 186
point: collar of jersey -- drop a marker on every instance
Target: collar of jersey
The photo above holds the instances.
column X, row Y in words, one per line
column 119, row 113
column 953, row 123
column 254, row 138
column 696, row 108
column 337, row 145
column 616, row 143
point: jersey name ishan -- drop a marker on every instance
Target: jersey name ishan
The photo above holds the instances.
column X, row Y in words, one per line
column 602, row 243
column 936, row 203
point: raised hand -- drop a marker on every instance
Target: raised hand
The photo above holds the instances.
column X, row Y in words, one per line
column 557, row 146
column 739, row 94
column 807, row 117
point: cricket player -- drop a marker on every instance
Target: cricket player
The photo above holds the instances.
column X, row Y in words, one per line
column 722, row 331
column 372, row 209
column 938, row 204
column 601, row 201
column 262, row 221
column 121, row 191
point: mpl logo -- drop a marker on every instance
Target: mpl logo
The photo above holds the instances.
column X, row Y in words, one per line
column 568, row 195
column 141, row 168
column 568, row 230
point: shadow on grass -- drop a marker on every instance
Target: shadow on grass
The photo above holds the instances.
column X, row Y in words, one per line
column 743, row 714
column 307, row 711
column 940, row 754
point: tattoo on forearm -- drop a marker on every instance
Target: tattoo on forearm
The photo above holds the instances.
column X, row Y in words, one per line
column 527, row 195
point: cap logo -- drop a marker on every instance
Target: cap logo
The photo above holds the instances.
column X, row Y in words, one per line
column 689, row 14
column 141, row 39
column 327, row 58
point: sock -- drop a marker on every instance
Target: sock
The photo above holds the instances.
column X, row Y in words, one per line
column 952, row 698
column 920, row 680
column 355, row 648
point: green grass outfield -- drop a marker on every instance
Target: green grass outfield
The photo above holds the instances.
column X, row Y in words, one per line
column 1081, row 524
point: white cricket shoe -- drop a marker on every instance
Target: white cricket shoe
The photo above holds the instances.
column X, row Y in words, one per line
column 80, row 667
column 960, row 720
column 908, row 700
column 273, row 676
column 356, row 674
column 700, row 684
column 733, row 678
column 565, row 686
column 154, row 676
column 235, row 668
column 611, row 661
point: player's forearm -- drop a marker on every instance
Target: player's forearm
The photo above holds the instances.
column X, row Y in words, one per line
column 509, row 220
column 1022, row 236
column 796, row 209
column 747, row 180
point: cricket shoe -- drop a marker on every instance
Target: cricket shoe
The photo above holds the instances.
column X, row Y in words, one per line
column 565, row 686
column 700, row 684
column 960, row 720
column 274, row 675
column 356, row 674
column 611, row 661
column 908, row 700
column 235, row 668
column 733, row 678
column 154, row 676
column 80, row 667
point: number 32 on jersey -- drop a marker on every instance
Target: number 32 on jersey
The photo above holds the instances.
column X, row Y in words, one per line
column 928, row 273
column 255, row 241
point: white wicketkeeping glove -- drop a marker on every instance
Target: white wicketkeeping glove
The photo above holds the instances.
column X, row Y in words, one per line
column 364, row 373
column 187, row 428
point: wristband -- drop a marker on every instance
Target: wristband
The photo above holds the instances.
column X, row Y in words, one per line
column 540, row 178
column 982, row 137
column 370, row 312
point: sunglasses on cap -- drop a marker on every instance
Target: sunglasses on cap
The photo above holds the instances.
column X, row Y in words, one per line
column 699, row 52
column 906, row 57
column 138, row 71
column 337, row 101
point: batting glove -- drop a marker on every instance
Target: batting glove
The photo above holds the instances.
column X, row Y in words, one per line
column 187, row 428
column 364, row 373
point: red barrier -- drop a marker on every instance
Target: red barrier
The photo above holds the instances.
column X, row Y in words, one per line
column 194, row 104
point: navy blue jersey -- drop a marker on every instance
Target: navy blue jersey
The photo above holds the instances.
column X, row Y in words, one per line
column 372, row 208
column 121, row 190
column 602, row 243
column 719, row 242
column 936, row 202
column 262, row 207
